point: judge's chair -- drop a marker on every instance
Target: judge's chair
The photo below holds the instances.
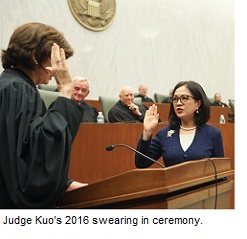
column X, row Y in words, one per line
column 232, row 104
column 106, row 104
column 211, row 100
column 232, row 115
column 48, row 87
column 48, row 96
column 159, row 97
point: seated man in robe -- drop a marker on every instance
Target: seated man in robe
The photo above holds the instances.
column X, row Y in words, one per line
column 217, row 101
column 143, row 90
column 80, row 92
column 125, row 110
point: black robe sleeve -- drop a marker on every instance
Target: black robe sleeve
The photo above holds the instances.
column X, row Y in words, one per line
column 35, row 146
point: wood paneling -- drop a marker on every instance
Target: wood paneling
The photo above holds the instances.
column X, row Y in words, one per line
column 90, row 162
column 95, row 103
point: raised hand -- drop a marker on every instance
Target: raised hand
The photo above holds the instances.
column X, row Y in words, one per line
column 150, row 121
column 60, row 71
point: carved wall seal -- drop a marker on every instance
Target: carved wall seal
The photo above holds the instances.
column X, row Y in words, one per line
column 95, row 15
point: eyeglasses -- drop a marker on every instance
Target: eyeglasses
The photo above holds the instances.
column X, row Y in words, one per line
column 182, row 98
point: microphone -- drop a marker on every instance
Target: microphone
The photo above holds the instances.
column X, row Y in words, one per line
column 110, row 148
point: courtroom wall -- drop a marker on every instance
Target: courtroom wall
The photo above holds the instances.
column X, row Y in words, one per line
column 155, row 42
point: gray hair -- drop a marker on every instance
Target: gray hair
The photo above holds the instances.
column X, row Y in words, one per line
column 81, row 79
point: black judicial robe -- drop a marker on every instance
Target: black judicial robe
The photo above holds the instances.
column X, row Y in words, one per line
column 35, row 143
column 121, row 113
column 90, row 113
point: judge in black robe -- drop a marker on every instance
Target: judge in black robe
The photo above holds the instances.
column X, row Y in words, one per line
column 121, row 113
column 217, row 101
column 125, row 110
column 80, row 92
column 143, row 90
column 35, row 142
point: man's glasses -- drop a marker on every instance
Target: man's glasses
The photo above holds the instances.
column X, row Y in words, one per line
column 182, row 98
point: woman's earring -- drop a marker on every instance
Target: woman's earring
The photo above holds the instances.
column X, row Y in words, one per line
column 36, row 62
column 197, row 110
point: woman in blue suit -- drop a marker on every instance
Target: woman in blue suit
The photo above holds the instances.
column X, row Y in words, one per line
column 187, row 137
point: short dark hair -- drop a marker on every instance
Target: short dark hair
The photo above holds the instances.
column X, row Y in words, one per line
column 198, row 93
column 33, row 38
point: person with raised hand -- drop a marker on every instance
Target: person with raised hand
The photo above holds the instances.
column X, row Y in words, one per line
column 187, row 137
column 36, row 141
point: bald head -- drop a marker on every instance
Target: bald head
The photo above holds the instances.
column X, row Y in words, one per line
column 126, row 95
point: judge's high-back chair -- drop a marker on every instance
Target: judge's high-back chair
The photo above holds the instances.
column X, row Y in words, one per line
column 48, row 87
column 159, row 97
column 232, row 105
column 48, row 96
column 106, row 104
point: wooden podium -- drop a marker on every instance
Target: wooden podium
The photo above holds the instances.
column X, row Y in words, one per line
column 191, row 185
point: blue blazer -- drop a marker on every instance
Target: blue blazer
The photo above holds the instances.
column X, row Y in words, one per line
column 207, row 143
